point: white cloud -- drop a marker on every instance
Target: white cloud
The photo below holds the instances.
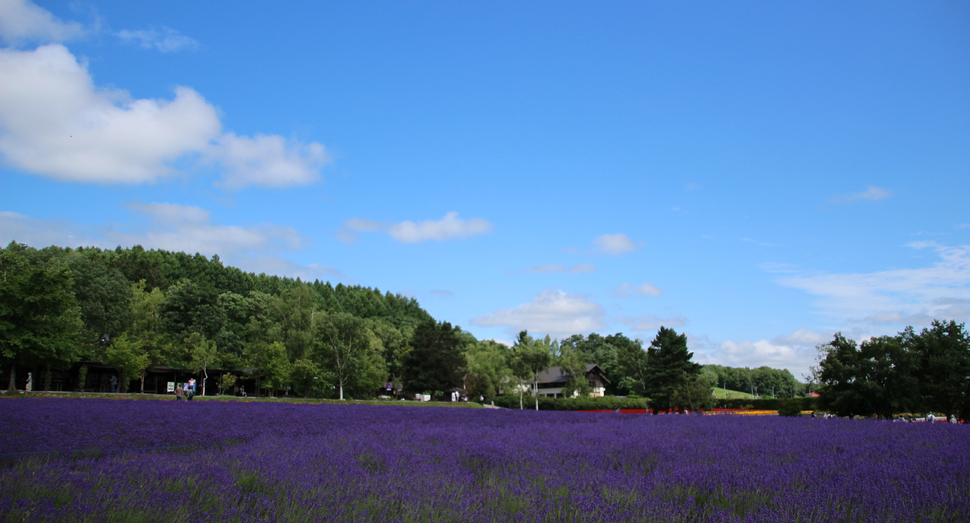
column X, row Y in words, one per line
column 195, row 232
column 551, row 312
column 899, row 296
column 548, row 268
column 448, row 228
column 649, row 322
column 804, row 337
column 872, row 193
column 41, row 233
column 747, row 353
column 614, row 244
column 22, row 22
column 55, row 122
column 171, row 213
column 644, row 289
column 778, row 268
column 582, row 268
column 277, row 265
column 795, row 352
column 348, row 233
column 166, row 39
column 362, row 225
column 268, row 161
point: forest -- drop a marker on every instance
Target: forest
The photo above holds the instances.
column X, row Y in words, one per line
column 63, row 310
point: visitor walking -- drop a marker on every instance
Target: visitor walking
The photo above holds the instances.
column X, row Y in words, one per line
column 179, row 392
column 30, row 382
column 114, row 383
column 191, row 389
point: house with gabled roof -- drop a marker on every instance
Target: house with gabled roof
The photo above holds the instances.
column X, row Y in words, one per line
column 552, row 380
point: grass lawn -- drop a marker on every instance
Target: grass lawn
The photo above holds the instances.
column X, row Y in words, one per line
column 720, row 393
column 224, row 398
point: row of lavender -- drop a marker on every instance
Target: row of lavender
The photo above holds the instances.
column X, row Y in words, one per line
column 120, row 460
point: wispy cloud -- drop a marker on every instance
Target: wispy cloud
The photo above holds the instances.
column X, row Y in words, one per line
column 164, row 39
column 189, row 228
column 553, row 312
column 649, row 322
column 451, row 227
column 349, row 232
column 644, row 289
column 872, row 193
column 614, row 244
column 912, row 296
column 167, row 214
column 761, row 243
column 174, row 227
column 552, row 268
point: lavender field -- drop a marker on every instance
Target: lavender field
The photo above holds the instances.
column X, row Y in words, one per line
column 119, row 460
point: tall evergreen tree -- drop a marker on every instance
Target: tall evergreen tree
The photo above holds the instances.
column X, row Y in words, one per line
column 669, row 367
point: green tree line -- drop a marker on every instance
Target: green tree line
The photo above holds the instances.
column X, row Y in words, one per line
column 926, row 371
column 135, row 309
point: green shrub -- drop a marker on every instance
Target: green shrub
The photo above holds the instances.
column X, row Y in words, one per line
column 511, row 401
column 791, row 408
column 763, row 404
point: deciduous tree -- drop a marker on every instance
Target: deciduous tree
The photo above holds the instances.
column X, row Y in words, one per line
column 40, row 321
column 487, row 368
column 269, row 364
column 128, row 357
column 435, row 361
column 530, row 357
column 942, row 359
column 202, row 355
column 350, row 351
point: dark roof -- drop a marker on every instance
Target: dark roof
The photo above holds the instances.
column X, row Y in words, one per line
column 555, row 375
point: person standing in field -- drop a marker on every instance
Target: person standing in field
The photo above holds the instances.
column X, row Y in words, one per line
column 30, row 382
column 179, row 392
column 114, row 383
column 191, row 390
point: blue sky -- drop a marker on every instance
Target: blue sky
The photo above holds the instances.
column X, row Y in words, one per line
column 758, row 175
